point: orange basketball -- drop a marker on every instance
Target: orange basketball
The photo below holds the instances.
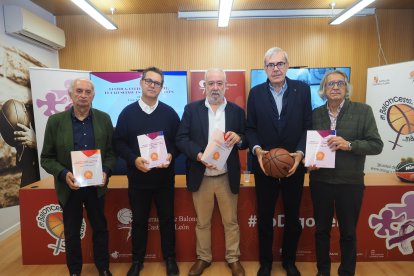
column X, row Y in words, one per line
column 401, row 118
column 154, row 156
column 88, row 174
column 216, row 155
column 320, row 155
column 277, row 162
column 54, row 223
column 12, row 112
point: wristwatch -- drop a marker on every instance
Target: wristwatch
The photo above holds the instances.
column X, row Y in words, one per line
column 349, row 146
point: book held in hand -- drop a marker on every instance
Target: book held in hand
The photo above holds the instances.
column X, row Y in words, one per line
column 217, row 151
column 87, row 167
column 153, row 149
column 318, row 152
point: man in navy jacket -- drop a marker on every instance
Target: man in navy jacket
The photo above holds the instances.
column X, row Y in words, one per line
column 205, row 180
column 279, row 113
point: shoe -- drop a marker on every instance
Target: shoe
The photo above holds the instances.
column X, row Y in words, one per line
column 291, row 270
column 264, row 270
column 74, row 274
column 105, row 273
column 135, row 269
column 171, row 266
column 198, row 268
column 236, row 269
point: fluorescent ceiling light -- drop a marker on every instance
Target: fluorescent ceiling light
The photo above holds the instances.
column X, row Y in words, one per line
column 93, row 12
column 347, row 13
column 224, row 12
column 252, row 14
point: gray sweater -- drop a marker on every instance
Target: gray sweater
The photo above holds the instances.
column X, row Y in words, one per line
column 355, row 123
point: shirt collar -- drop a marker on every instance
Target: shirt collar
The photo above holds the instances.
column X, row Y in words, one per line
column 146, row 108
column 282, row 90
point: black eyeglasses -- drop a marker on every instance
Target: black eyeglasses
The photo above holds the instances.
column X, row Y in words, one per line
column 150, row 82
column 340, row 84
column 279, row 65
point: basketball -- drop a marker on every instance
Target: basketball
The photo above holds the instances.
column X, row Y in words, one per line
column 277, row 162
column 405, row 171
column 12, row 112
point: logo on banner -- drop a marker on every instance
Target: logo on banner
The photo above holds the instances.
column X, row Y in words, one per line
column 124, row 216
column 50, row 218
column 395, row 224
column 379, row 81
column 55, row 101
column 400, row 118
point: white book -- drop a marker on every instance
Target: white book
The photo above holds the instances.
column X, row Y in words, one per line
column 318, row 152
column 153, row 149
column 217, row 152
column 87, row 167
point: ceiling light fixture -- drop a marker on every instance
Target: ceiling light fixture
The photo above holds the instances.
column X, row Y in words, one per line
column 263, row 14
column 347, row 13
column 224, row 12
column 93, row 12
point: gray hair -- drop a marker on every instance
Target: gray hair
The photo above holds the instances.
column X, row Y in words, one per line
column 215, row 70
column 322, row 86
column 73, row 83
column 275, row 50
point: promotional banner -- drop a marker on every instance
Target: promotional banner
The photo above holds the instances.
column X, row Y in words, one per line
column 235, row 92
column 50, row 95
column 390, row 94
column 115, row 90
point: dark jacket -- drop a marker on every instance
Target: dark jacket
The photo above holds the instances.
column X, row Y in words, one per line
column 355, row 123
column 192, row 138
column 58, row 143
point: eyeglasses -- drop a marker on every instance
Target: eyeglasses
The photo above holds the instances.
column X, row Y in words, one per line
column 340, row 84
column 218, row 83
column 150, row 82
column 279, row 65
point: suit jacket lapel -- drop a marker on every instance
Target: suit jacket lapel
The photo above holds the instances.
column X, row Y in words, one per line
column 203, row 115
column 271, row 105
column 67, row 130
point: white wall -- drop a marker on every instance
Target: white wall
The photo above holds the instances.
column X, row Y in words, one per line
column 9, row 217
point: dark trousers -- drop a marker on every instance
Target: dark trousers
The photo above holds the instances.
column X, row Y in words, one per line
column 72, row 220
column 140, row 201
column 267, row 192
column 345, row 200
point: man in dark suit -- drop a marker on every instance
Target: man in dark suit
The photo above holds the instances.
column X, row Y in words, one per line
column 278, row 115
column 80, row 128
column 206, row 180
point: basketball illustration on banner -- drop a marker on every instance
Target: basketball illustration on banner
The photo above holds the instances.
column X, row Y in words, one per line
column 12, row 113
column 277, row 162
column 401, row 119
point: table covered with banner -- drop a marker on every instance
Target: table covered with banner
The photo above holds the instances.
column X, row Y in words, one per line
column 385, row 229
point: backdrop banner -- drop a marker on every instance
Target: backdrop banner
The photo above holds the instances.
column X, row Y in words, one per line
column 390, row 94
column 50, row 95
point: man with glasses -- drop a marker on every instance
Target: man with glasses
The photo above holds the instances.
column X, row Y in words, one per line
column 80, row 128
column 205, row 180
column 278, row 115
column 340, row 190
column 145, row 116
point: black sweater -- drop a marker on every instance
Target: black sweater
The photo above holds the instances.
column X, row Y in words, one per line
column 133, row 122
